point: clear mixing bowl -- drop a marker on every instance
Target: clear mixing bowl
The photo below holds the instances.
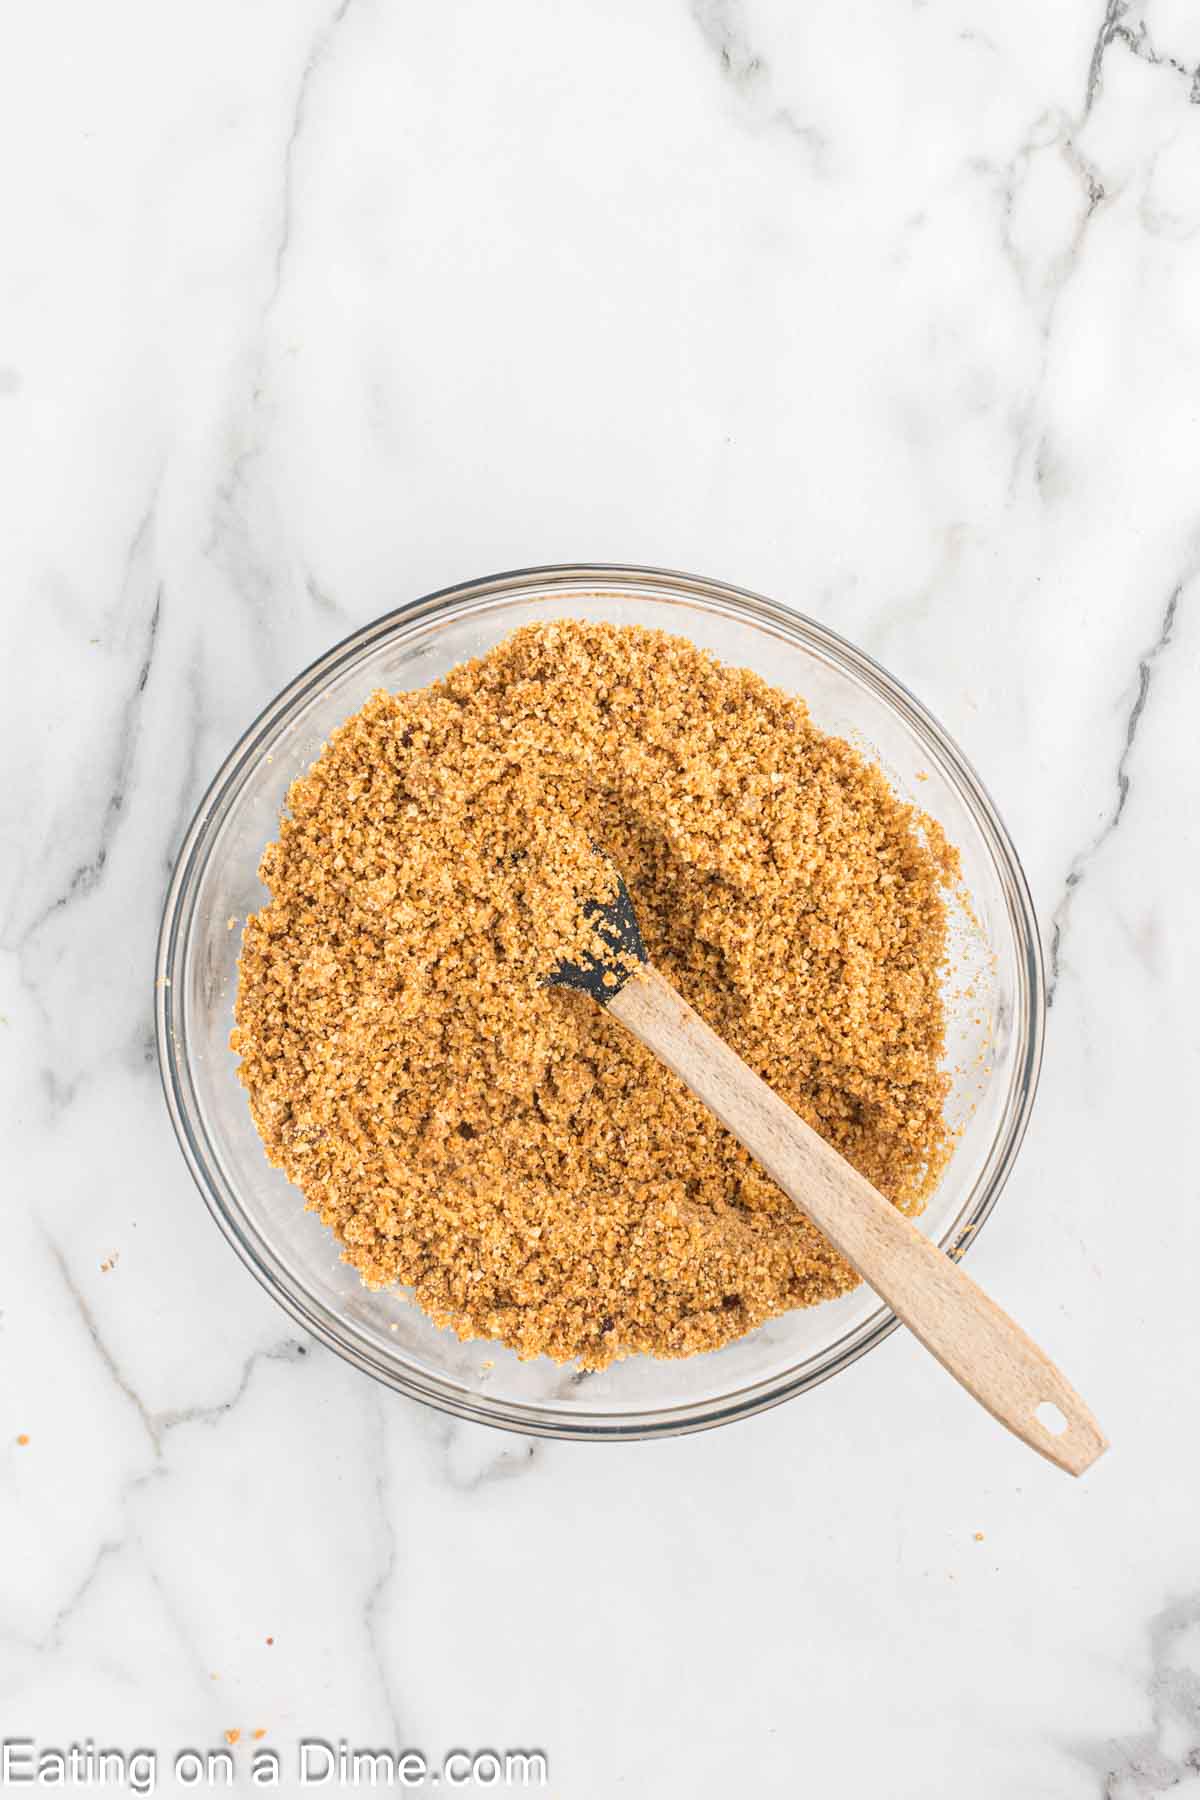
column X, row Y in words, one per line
column 994, row 1036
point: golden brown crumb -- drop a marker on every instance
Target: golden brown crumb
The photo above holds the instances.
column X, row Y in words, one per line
column 261, row 1732
column 507, row 1149
column 270, row 1640
column 979, row 1537
column 231, row 1737
column 23, row 1439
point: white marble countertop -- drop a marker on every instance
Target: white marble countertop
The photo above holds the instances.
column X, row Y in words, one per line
column 891, row 313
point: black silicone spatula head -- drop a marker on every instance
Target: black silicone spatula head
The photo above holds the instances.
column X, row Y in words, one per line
column 618, row 951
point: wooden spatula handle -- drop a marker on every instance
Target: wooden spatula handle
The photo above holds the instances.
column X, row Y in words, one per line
column 968, row 1333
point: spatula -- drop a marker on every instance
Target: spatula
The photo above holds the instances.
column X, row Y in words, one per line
column 967, row 1332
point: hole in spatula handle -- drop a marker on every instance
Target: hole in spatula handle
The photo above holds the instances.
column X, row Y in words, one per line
column 1048, row 1414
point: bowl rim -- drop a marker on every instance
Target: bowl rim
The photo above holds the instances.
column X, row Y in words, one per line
column 337, row 1332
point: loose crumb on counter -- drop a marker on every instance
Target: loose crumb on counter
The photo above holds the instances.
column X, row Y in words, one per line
column 504, row 1148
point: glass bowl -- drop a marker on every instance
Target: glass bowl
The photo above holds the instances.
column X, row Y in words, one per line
column 995, row 1001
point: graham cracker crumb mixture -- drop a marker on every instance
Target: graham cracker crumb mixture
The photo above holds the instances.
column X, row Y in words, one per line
column 506, row 1148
